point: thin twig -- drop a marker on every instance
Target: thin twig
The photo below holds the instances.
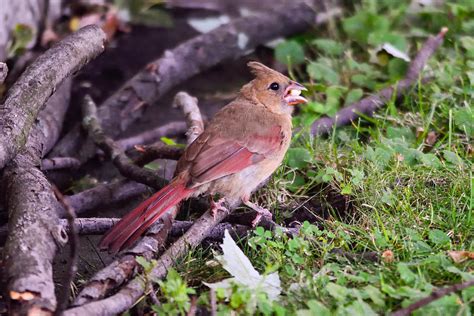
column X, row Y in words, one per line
column 170, row 129
column 121, row 161
column 73, row 237
column 435, row 295
column 212, row 293
column 156, row 151
column 59, row 163
column 188, row 104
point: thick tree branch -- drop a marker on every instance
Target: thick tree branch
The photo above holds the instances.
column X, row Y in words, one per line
column 27, row 96
column 229, row 41
column 370, row 104
column 34, row 232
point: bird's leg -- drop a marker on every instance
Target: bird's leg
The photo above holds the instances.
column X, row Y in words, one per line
column 261, row 211
column 218, row 206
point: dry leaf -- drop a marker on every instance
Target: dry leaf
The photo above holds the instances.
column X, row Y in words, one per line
column 461, row 255
column 243, row 272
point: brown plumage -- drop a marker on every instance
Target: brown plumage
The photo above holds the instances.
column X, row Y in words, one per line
column 243, row 145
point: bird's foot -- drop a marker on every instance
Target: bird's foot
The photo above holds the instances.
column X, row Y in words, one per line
column 261, row 212
column 218, row 206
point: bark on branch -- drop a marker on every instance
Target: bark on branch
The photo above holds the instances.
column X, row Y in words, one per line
column 28, row 95
column 192, row 114
column 132, row 291
column 33, row 224
column 370, row 104
column 121, row 161
column 229, row 41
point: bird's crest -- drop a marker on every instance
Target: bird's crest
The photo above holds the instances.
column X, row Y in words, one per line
column 259, row 69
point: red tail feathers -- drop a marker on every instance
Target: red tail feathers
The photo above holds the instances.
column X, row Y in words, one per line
column 135, row 223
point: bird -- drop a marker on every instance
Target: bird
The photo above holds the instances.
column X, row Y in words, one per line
column 243, row 144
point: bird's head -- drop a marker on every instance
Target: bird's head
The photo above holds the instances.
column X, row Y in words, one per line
column 272, row 89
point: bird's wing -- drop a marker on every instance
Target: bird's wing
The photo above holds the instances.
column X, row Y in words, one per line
column 213, row 156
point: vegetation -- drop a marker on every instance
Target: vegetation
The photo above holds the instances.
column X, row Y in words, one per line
column 407, row 172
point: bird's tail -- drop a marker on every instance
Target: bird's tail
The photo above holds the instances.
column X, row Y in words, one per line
column 135, row 223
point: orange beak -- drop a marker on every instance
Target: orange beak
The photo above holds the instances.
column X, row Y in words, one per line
column 292, row 93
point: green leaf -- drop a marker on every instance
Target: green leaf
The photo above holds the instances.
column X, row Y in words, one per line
column 430, row 160
column 439, row 237
column 360, row 308
column 468, row 43
column 317, row 308
column 338, row 292
column 375, row 295
column 397, row 68
column 22, row 35
column 464, row 120
column 381, row 37
column 320, row 71
column 362, row 24
column 145, row 264
column 405, row 273
column 328, row 46
column 290, row 52
column 452, row 158
column 298, row 158
column 353, row 96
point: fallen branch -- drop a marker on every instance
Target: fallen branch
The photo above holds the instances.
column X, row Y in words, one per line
column 189, row 106
column 435, row 295
column 27, row 96
column 121, row 161
column 34, row 232
column 370, row 104
column 202, row 52
column 73, row 238
column 156, row 151
column 59, row 163
column 170, row 129
column 106, row 194
column 122, row 269
column 132, row 291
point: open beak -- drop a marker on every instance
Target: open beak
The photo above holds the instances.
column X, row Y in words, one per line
column 293, row 94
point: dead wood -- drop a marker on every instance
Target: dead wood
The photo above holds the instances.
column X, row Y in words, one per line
column 192, row 115
column 133, row 290
column 107, row 194
column 435, row 295
column 370, row 104
column 34, row 232
column 229, row 41
column 59, row 163
column 120, row 159
column 157, row 151
column 170, row 129
column 28, row 95
column 73, row 239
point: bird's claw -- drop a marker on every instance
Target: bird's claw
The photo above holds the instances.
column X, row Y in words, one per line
column 261, row 212
column 218, row 206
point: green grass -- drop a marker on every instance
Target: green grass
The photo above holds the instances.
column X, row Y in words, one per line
column 407, row 197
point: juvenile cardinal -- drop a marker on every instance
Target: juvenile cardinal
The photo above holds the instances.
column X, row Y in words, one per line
column 241, row 147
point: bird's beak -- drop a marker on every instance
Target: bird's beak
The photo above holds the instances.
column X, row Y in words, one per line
column 293, row 94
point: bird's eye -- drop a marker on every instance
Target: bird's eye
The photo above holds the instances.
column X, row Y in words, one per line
column 274, row 86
